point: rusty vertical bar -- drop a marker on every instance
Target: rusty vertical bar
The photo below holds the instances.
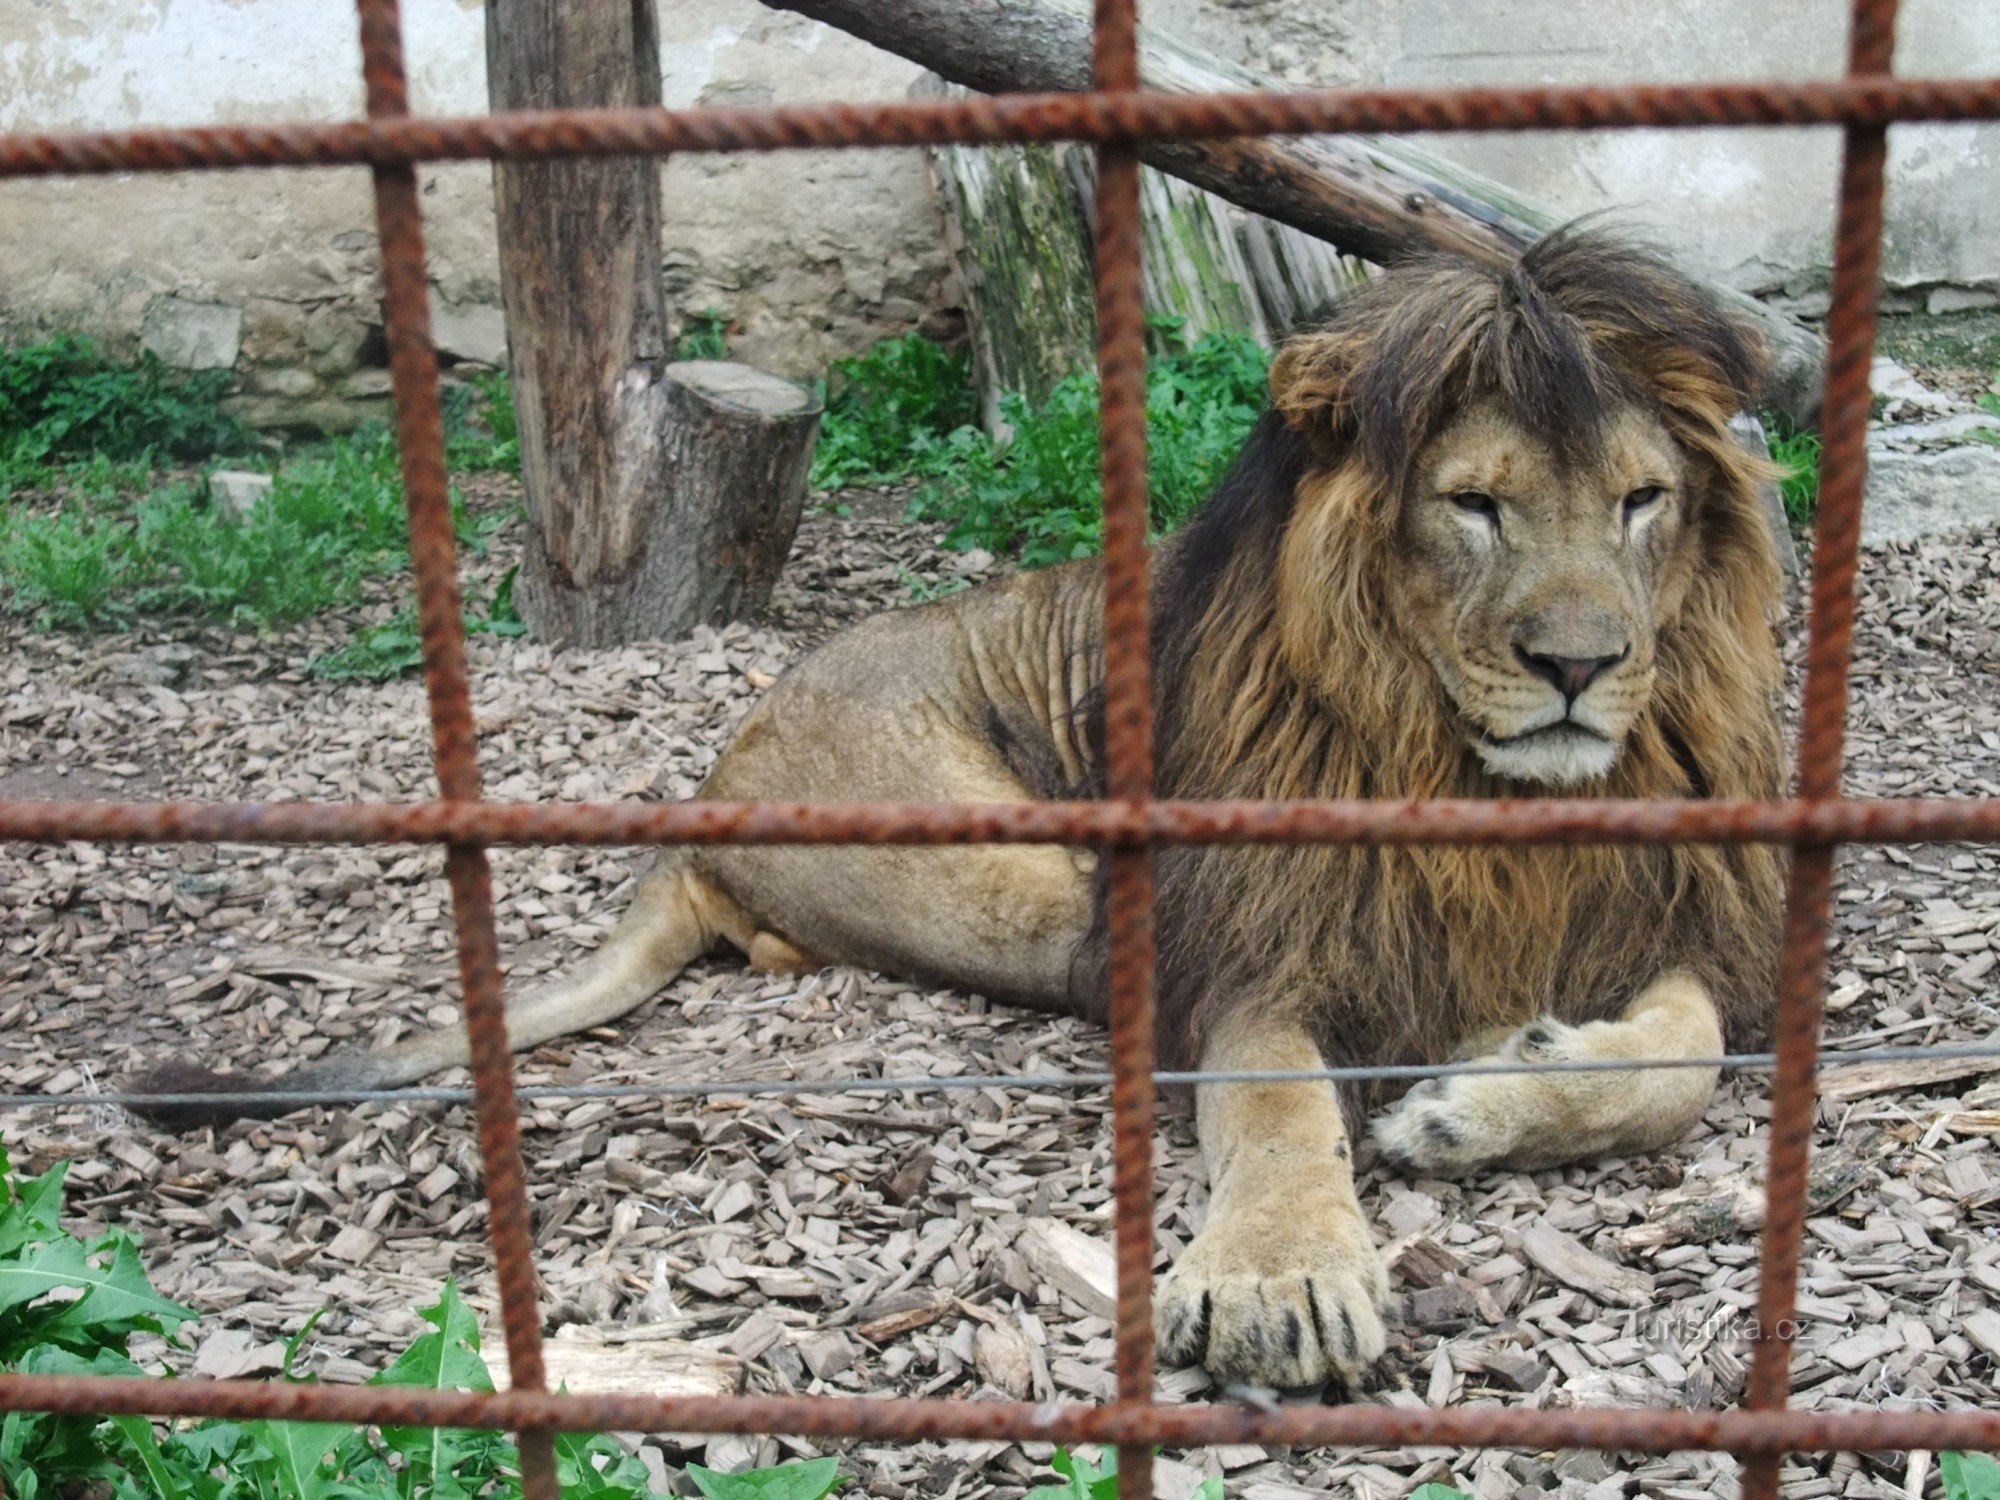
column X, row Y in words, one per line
column 1823, row 728
column 1128, row 736
column 434, row 561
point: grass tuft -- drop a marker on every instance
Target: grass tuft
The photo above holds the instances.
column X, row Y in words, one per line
column 91, row 542
column 1796, row 452
column 1038, row 494
column 889, row 412
column 703, row 335
column 64, row 399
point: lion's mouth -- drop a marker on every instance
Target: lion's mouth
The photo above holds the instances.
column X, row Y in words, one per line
column 1560, row 732
column 1561, row 754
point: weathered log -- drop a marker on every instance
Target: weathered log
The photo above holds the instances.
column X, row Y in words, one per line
column 659, row 496
column 1019, row 224
column 1373, row 196
column 1014, row 233
column 729, row 451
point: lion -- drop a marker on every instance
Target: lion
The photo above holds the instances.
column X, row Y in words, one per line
column 1493, row 537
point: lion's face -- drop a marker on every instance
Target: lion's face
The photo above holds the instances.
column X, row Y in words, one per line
column 1536, row 586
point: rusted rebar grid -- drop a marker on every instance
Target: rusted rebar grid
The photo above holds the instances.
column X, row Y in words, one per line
column 1092, row 117
column 1130, row 822
column 1616, row 1429
column 1128, row 727
column 413, row 372
column 1857, row 258
column 1374, row 821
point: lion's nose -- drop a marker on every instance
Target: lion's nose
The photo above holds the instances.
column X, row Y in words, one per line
column 1568, row 675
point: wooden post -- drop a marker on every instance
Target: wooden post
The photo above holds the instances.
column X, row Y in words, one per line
column 627, row 522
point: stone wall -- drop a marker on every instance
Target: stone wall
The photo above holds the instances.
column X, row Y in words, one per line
column 813, row 255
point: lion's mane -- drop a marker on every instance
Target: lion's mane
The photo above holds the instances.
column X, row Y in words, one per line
column 1281, row 672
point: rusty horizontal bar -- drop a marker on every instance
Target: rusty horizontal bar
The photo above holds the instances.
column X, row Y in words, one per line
column 1614, row 1429
column 1097, row 117
column 1444, row 821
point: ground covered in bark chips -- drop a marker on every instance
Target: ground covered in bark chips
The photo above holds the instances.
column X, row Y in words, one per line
column 933, row 1244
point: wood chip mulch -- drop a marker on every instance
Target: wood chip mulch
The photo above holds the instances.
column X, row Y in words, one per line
column 920, row 1244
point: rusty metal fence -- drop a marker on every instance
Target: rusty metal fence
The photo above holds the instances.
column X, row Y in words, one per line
column 1115, row 115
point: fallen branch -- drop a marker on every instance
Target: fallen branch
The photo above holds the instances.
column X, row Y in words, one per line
column 1373, row 196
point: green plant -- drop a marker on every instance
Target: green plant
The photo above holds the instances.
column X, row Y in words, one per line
column 480, row 427
column 888, row 410
column 811, row 1479
column 703, row 335
column 1084, row 1480
column 1990, row 403
column 332, row 519
column 379, row 653
column 1796, row 453
column 1039, row 495
column 69, row 1307
column 63, row 398
column 1969, row 1476
column 924, row 590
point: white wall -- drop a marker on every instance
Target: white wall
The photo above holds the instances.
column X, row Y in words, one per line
column 815, row 254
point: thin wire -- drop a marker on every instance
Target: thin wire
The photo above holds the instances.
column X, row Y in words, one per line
column 1734, row 1062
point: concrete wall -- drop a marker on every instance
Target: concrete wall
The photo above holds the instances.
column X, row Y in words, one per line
column 813, row 255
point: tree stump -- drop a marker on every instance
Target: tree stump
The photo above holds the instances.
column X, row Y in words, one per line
column 726, row 452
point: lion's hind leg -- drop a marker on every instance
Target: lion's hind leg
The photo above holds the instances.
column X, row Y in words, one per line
column 1461, row 1122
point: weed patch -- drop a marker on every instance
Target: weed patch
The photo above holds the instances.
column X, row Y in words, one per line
column 1038, row 494
column 330, row 521
column 1797, row 456
column 704, row 335
column 63, row 399
column 1084, row 1480
column 112, row 547
column 889, row 412
column 70, row 1307
column 480, row 429
column 1969, row 1476
column 381, row 653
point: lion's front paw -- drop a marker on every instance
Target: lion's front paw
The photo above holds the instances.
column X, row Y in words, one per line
column 1438, row 1129
column 1449, row 1126
column 1288, row 1297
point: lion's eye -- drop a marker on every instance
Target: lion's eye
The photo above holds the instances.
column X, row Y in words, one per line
column 1474, row 502
column 1642, row 499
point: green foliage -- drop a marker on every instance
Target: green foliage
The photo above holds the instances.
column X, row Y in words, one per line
column 63, row 399
column 813, row 1479
column 1969, row 1476
column 332, row 519
column 925, row 590
column 889, row 410
column 379, row 653
column 1039, row 493
column 480, row 427
column 68, row 1307
column 1084, row 1480
column 703, row 335
column 1990, row 403
column 1797, row 454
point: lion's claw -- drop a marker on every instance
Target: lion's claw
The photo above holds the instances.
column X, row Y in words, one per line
column 1291, row 1309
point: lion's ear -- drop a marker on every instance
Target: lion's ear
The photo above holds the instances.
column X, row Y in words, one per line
column 1309, row 382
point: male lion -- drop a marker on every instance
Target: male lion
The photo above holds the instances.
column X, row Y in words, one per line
column 1493, row 537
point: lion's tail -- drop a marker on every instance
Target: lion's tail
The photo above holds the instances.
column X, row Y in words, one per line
column 668, row 925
